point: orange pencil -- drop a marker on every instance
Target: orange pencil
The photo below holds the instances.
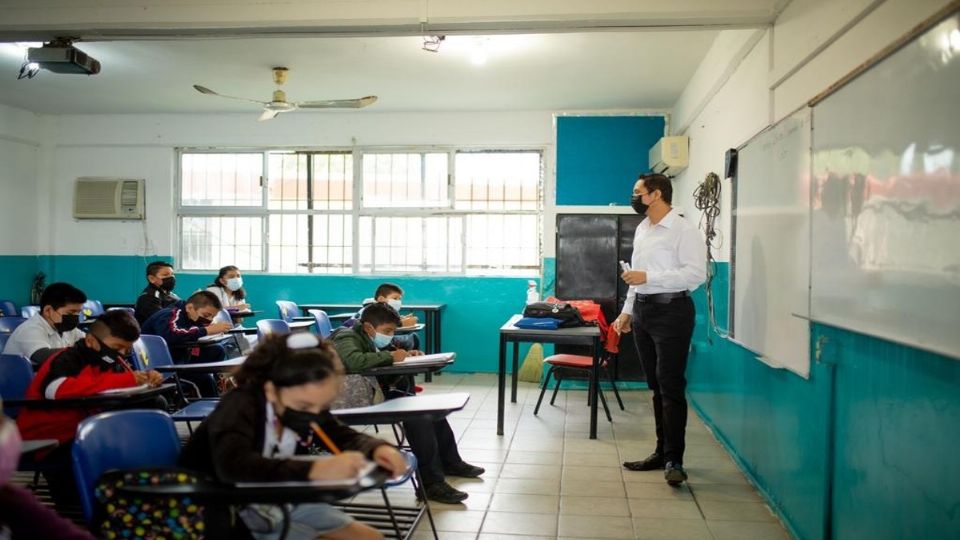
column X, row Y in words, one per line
column 323, row 437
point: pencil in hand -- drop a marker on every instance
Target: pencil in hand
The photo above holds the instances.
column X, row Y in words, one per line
column 325, row 438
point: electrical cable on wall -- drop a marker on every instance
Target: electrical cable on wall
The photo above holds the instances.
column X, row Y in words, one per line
column 707, row 200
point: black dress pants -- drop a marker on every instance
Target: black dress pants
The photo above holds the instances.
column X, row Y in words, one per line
column 434, row 445
column 662, row 332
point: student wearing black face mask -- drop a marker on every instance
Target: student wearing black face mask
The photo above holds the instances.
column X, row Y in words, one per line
column 182, row 324
column 54, row 327
column 158, row 293
column 93, row 365
column 286, row 384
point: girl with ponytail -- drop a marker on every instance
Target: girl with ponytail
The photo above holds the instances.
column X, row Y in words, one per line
column 284, row 389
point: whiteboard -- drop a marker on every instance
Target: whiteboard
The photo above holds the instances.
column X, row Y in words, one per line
column 886, row 199
column 771, row 246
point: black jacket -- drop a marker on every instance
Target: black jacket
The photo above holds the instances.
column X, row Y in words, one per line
column 151, row 300
column 228, row 445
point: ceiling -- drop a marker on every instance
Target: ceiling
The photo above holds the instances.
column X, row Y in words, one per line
column 554, row 71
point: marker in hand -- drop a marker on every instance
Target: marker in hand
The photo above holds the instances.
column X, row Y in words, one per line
column 625, row 266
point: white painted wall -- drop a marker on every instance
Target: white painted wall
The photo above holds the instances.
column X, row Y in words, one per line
column 142, row 146
column 750, row 79
column 19, row 160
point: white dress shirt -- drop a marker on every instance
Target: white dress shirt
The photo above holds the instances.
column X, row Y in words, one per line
column 227, row 299
column 672, row 253
column 35, row 334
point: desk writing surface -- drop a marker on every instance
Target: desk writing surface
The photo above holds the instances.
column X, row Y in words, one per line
column 212, row 366
column 453, row 401
column 581, row 331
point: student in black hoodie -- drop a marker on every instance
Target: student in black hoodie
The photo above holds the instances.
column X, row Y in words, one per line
column 285, row 387
column 158, row 293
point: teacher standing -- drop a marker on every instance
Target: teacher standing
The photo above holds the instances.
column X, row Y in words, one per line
column 669, row 261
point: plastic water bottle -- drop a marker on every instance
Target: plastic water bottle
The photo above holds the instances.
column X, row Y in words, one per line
column 532, row 294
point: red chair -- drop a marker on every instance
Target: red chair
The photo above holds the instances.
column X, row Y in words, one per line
column 561, row 363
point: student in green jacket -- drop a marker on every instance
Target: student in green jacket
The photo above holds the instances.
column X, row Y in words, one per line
column 364, row 347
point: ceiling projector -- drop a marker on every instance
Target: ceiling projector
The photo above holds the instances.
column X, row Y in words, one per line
column 63, row 59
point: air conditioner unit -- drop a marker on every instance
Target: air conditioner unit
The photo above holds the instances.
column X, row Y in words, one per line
column 108, row 198
column 670, row 155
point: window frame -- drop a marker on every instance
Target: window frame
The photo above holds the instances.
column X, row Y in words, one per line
column 357, row 210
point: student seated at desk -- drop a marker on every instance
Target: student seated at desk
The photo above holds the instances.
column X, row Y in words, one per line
column 158, row 293
column 54, row 327
column 391, row 295
column 182, row 324
column 363, row 347
column 91, row 366
column 22, row 515
column 228, row 287
column 284, row 389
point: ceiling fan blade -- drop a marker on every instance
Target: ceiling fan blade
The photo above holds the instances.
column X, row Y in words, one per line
column 267, row 115
column 209, row 92
column 358, row 103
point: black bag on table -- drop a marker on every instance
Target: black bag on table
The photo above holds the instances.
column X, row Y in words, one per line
column 568, row 315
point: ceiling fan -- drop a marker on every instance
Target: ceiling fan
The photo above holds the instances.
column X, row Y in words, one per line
column 279, row 103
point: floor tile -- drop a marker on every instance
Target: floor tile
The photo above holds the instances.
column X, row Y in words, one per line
column 525, row 503
column 735, row 511
column 595, row 527
column 745, row 530
column 531, row 524
column 659, row 508
column 670, row 529
column 594, row 506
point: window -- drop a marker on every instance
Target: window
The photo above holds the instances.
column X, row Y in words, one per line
column 420, row 212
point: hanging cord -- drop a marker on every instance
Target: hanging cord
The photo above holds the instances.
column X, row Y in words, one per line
column 707, row 200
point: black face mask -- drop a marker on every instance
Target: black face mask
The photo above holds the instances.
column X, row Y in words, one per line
column 169, row 283
column 68, row 322
column 638, row 205
column 299, row 422
column 107, row 351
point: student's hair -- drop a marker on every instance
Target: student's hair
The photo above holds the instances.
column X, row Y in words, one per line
column 239, row 294
column 202, row 299
column 276, row 361
column 654, row 181
column 156, row 266
column 57, row 295
column 378, row 314
column 117, row 323
column 387, row 288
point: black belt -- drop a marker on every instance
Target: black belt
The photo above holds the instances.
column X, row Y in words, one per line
column 662, row 298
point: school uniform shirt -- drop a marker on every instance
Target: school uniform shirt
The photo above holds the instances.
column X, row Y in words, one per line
column 673, row 255
column 151, row 300
column 225, row 296
column 36, row 334
column 174, row 326
column 69, row 373
column 357, row 351
column 231, row 444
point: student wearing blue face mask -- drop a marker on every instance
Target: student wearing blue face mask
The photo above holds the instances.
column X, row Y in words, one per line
column 363, row 347
column 228, row 288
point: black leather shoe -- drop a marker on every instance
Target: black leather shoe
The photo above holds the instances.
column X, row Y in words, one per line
column 654, row 462
column 443, row 492
column 674, row 473
column 464, row 470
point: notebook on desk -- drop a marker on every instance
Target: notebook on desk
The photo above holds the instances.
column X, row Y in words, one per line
column 429, row 358
column 341, row 482
column 211, row 338
column 126, row 390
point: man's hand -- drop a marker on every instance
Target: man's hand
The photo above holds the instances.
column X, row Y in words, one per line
column 390, row 459
column 415, row 353
column 621, row 324
column 634, row 277
column 399, row 355
column 218, row 327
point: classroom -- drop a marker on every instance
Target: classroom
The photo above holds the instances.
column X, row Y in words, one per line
column 345, row 221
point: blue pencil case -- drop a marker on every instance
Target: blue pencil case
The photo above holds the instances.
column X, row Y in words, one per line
column 538, row 323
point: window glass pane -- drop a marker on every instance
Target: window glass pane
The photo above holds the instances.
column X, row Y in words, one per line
column 209, row 243
column 497, row 181
column 502, row 244
column 314, row 244
column 290, row 187
column 221, row 179
column 411, row 244
column 405, row 180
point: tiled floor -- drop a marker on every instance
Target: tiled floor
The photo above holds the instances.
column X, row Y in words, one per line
column 546, row 479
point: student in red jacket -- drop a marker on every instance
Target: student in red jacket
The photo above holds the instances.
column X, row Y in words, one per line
column 96, row 363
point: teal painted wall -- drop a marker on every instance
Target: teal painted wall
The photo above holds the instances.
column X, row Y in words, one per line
column 16, row 277
column 897, row 413
column 476, row 306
